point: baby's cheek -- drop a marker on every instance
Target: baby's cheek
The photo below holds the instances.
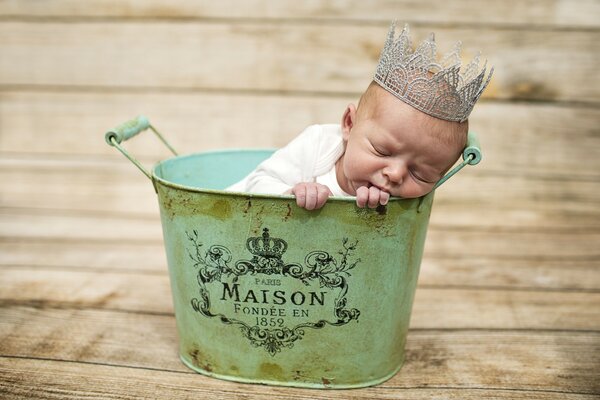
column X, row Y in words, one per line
column 422, row 191
column 411, row 190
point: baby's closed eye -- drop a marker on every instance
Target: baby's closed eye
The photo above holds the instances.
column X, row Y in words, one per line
column 380, row 151
column 421, row 177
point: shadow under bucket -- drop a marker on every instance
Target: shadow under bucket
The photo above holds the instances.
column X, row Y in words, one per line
column 267, row 292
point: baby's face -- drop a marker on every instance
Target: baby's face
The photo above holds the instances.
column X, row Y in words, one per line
column 398, row 151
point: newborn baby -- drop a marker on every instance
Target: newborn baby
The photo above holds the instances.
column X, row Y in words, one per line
column 409, row 128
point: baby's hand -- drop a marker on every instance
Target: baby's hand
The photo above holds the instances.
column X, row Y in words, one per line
column 311, row 195
column 371, row 196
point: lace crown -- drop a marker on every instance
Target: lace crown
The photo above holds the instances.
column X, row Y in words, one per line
column 441, row 89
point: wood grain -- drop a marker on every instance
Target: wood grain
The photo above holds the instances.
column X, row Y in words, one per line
column 48, row 379
column 26, row 224
column 529, row 139
column 306, row 59
column 434, row 307
column 562, row 361
column 453, row 271
column 115, row 187
column 508, row 301
column 529, row 13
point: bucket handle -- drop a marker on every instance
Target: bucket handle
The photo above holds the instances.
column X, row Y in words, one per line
column 129, row 129
column 471, row 156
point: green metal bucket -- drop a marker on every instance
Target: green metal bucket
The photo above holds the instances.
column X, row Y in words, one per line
column 267, row 292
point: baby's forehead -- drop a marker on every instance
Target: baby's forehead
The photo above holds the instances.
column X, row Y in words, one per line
column 406, row 124
column 386, row 106
column 382, row 106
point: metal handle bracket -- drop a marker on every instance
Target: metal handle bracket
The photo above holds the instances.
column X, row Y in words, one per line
column 129, row 129
column 471, row 156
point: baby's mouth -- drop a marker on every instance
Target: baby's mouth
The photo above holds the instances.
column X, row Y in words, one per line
column 383, row 189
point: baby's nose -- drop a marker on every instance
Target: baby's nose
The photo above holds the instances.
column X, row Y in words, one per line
column 395, row 172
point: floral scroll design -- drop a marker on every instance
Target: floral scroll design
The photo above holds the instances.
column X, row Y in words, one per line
column 216, row 263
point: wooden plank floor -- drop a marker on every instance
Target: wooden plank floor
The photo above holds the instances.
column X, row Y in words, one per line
column 508, row 302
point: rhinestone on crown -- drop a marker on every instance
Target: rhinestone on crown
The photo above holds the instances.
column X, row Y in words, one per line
column 438, row 89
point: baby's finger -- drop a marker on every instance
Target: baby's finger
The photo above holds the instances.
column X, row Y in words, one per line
column 374, row 196
column 311, row 197
column 323, row 194
column 384, row 197
column 300, row 192
column 362, row 195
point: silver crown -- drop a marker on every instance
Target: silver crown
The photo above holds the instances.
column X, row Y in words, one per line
column 438, row 89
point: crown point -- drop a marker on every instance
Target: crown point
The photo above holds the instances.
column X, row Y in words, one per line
column 458, row 47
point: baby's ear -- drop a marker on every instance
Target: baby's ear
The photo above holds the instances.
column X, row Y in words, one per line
column 348, row 120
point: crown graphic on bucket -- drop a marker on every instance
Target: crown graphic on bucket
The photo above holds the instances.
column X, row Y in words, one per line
column 441, row 89
column 265, row 246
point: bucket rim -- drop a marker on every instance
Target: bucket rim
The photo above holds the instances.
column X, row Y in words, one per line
column 287, row 197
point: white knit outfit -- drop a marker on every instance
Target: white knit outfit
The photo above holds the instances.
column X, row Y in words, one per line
column 310, row 157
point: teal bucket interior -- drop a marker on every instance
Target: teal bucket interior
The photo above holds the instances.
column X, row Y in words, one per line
column 214, row 170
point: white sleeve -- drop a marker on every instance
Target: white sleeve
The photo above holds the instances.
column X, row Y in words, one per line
column 288, row 166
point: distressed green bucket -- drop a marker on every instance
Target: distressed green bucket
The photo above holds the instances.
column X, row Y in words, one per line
column 267, row 292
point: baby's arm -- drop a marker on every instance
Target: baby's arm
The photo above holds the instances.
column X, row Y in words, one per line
column 290, row 171
column 283, row 169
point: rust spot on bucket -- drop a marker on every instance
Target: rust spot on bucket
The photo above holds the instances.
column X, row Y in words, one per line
column 326, row 381
column 289, row 212
column 199, row 360
column 221, row 209
column 377, row 219
column 247, row 208
column 270, row 370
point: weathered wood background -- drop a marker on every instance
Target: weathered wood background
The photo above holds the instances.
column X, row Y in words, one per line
column 508, row 304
